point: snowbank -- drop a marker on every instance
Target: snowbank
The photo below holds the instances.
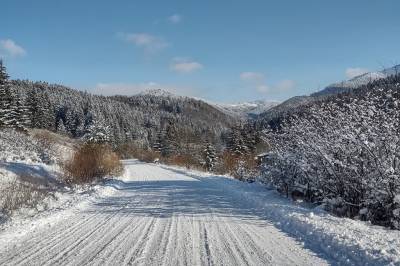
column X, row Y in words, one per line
column 347, row 241
column 29, row 169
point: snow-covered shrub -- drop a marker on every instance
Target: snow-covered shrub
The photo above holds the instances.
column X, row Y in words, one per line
column 20, row 146
column 343, row 152
column 19, row 194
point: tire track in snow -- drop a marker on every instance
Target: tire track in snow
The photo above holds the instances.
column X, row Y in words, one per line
column 134, row 253
column 161, row 217
column 43, row 245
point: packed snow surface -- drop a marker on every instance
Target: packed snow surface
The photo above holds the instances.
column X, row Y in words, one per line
column 159, row 215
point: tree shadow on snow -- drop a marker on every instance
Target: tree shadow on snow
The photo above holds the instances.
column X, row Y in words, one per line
column 205, row 195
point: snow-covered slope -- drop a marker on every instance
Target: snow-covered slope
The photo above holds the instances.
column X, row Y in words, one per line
column 242, row 110
column 358, row 81
column 29, row 170
column 246, row 109
column 159, row 93
column 287, row 107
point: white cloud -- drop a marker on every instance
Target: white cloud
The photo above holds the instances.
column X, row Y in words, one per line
column 263, row 88
column 175, row 19
column 146, row 41
column 258, row 81
column 252, row 77
column 354, row 72
column 10, row 48
column 184, row 65
column 108, row 89
column 285, row 85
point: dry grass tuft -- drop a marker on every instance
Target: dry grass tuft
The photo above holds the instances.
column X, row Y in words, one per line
column 91, row 162
column 19, row 194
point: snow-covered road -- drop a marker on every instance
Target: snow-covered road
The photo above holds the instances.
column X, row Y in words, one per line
column 161, row 216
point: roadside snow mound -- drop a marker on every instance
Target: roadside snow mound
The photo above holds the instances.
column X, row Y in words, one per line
column 29, row 171
column 347, row 241
column 19, row 146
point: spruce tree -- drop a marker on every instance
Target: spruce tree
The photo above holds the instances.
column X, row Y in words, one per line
column 158, row 143
column 97, row 133
column 21, row 117
column 170, row 141
column 3, row 74
column 210, row 157
column 8, row 109
column 236, row 141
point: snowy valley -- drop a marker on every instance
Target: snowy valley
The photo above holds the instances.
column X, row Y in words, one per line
column 215, row 133
column 230, row 214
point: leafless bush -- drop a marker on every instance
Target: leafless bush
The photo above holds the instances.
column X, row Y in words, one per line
column 130, row 150
column 184, row 160
column 91, row 162
column 45, row 138
column 19, row 194
column 242, row 167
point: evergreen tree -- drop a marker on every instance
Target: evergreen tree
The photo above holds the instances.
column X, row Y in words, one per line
column 5, row 96
column 169, row 143
column 210, row 157
column 97, row 132
column 21, row 119
column 39, row 110
column 60, row 127
column 236, row 141
column 3, row 74
column 158, row 143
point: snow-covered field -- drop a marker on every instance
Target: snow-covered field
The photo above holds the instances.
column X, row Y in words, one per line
column 159, row 215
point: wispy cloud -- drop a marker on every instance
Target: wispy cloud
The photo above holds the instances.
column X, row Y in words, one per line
column 356, row 71
column 9, row 48
column 175, row 18
column 285, row 85
column 185, row 65
column 255, row 77
column 148, row 42
column 108, row 89
column 258, row 81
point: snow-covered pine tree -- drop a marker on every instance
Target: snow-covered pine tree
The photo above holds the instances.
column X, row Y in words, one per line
column 3, row 73
column 22, row 120
column 170, row 141
column 210, row 157
column 158, row 143
column 60, row 127
column 40, row 113
column 4, row 95
column 236, row 142
column 98, row 133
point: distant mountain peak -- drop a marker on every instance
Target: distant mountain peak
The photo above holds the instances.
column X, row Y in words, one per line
column 245, row 109
column 358, row 81
column 158, row 92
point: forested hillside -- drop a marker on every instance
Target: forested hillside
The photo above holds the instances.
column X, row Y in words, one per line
column 342, row 151
column 141, row 119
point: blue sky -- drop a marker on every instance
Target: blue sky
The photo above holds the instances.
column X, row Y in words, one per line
column 227, row 51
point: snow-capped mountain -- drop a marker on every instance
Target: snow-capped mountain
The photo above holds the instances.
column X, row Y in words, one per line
column 358, row 81
column 158, row 93
column 246, row 109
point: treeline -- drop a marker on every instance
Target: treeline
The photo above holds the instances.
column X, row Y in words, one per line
column 343, row 152
column 175, row 129
column 141, row 119
column 234, row 153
